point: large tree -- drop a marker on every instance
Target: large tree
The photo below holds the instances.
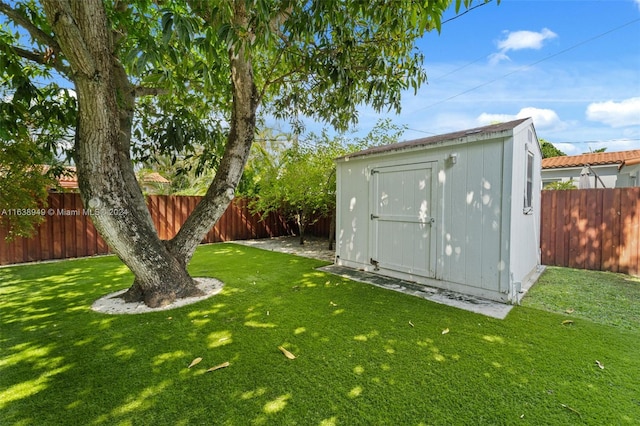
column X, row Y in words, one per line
column 549, row 150
column 224, row 58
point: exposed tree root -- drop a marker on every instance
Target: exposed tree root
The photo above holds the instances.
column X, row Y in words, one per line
column 159, row 298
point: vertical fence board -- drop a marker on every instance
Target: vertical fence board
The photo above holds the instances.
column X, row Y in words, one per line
column 626, row 226
column 574, row 226
column 4, row 247
column 608, row 243
column 630, row 213
column 57, row 227
column 593, row 250
column 547, row 225
column 635, row 261
column 617, row 230
column 81, row 226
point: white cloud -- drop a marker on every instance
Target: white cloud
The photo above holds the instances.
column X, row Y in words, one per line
column 616, row 114
column 637, row 2
column 542, row 118
column 495, row 58
column 486, row 118
column 518, row 40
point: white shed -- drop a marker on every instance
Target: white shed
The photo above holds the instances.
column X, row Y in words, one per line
column 459, row 211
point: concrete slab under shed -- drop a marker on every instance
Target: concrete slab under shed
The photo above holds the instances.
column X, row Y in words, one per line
column 444, row 297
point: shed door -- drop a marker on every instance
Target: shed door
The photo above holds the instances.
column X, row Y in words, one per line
column 402, row 218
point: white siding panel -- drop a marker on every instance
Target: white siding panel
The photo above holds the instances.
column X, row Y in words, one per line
column 352, row 224
column 473, row 200
column 455, row 214
column 491, row 215
column 472, row 211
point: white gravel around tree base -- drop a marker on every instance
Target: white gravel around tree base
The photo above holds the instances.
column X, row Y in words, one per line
column 113, row 304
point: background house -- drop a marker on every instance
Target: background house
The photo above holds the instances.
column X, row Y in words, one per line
column 150, row 182
column 598, row 169
column 459, row 211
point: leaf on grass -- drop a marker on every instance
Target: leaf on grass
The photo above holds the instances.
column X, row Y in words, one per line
column 218, row 367
column 601, row 365
column 567, row 322
column 411, row 324
column 332, row 304
column 169, row 318
column 445, row 331
column 195, row 362
column 570, row 311
column 573, row 410
column 286, row 353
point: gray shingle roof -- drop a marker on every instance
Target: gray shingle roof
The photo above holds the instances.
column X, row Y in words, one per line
column 432, row 140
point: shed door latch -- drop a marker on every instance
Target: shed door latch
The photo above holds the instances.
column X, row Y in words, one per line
column 373, row 216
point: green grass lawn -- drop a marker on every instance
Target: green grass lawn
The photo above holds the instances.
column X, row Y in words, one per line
column 359, row 360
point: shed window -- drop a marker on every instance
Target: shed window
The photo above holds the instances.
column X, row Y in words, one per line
column 528, row 194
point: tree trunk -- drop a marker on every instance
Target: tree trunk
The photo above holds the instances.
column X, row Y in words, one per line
column 107, row 182
column 332, row 229
column 301, row 221
column 106, row 178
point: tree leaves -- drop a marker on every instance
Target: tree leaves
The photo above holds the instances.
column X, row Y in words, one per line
column 219, row 366
column 196, row 361
column 286, row 353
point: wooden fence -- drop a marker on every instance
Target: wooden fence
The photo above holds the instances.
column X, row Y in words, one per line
column 597, row 229
column 67, row 232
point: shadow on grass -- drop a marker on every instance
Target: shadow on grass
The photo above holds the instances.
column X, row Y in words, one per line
column 364, row 355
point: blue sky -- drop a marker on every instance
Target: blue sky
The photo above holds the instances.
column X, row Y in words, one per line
column 574, row 66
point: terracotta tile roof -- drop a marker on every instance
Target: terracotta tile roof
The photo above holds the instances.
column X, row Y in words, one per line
column 153, row 177
column 593, row 159
column 485, row 130
column 69, row 180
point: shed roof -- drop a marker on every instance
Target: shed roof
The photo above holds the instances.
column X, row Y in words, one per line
column 621, row 158
column 478, row 133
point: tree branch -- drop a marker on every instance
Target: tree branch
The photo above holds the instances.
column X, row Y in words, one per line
column 139, row 91
column 35, row 32
column 62, row 21
column 43, row 58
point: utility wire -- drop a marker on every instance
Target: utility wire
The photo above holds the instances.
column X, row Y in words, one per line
column 589, row 40
column 466, row 11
